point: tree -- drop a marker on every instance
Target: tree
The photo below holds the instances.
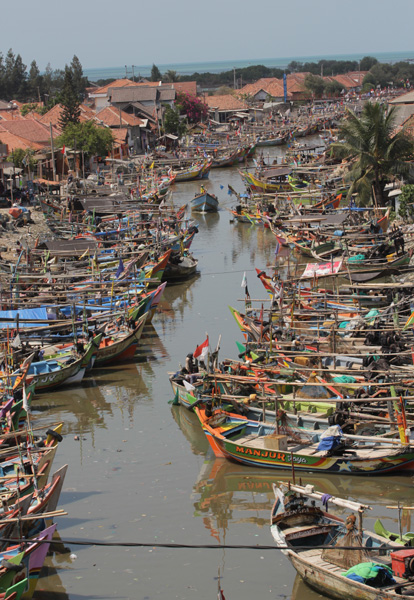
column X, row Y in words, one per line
column 69, row 100
column 315, row 85
column 191, row 106
column 367, row 63
column 171, row 76
column 88, row 138
column 406, row 210
column 172, row 122
column 333, row 88
column 35, row 82
column 23, row 159
column 377, row 153
column 19, row 79
column 155, row 73
column 79, row 81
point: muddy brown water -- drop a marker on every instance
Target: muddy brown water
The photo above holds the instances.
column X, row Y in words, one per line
column 141, row 470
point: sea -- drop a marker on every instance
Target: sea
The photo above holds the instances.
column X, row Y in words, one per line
column 190, row 68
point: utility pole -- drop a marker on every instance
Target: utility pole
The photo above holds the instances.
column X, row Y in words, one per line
column 53, row 153
column 133, row 74
column 234, row 77
column 126, row 72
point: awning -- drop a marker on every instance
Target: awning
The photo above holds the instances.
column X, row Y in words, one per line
column 393, row 193
column 12, row 170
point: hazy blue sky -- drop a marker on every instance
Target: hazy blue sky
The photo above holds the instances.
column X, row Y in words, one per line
column 105, row 33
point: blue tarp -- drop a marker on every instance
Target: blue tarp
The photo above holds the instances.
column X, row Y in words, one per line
column 38, row 314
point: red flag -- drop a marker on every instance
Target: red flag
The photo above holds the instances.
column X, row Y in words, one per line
column 201, row 350
column 64, row 150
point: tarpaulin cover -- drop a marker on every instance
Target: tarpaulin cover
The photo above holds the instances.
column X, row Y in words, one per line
column 38, row 314
column 371, row 573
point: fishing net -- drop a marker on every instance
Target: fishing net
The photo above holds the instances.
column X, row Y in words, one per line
column 349, row 557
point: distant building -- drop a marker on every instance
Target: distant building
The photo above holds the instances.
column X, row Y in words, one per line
column 222, row 108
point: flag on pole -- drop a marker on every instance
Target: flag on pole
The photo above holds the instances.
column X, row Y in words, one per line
column 120, row 268
column 25, row 404
column 64, row 150
column 201, row 350
column 188, row 386
column 244, row 281
column 277, row 248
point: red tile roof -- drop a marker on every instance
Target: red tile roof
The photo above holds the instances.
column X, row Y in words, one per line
column 120, row 135
column 186, row 87
column 30, row 130
column 225, row 102
column 110, row 116
column 53, row 115
column 115, row 84
column 13, row 141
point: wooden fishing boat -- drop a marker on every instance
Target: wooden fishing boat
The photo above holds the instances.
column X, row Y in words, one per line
column 50, row 374
column 269, row 180
column 204, row 202
column 313, row 540
column 406, row 539
column 180, row 268
column 15, row 591
column 34, row 556
column 194, row 172
column 120, row 345
column 256, row 444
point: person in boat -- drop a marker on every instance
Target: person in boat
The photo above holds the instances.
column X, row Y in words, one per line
column 202, row 189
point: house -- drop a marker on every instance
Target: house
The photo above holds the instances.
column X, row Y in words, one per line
column 185, row 87
column 99, row 97
column 54, row 114
column 350, row 82
column 222, row 108
column 259, row 91
column 26, row 133
column 118, row 120
column 404, row 109
column 146, row 95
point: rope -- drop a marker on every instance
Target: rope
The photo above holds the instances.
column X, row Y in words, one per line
column 189, row 546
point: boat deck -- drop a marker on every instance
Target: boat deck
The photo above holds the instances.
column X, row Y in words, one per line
column 367, row 453
column 315, row 557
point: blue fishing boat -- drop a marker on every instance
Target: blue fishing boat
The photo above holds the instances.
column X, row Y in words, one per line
column 204, row 202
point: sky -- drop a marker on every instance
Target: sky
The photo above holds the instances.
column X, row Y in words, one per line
column 105, row 33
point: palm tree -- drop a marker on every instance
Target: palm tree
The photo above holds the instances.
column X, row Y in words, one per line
column 376, row 152
column 171, row 76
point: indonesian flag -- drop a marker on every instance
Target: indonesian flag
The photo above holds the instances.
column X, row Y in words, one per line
column 201, row 350
column 64, row 150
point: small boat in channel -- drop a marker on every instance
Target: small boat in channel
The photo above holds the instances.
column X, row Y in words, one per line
column 204, row 202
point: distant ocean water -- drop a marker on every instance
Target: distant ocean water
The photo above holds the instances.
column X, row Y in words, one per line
column 220, row 66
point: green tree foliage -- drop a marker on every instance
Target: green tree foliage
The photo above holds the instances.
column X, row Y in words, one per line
column 172, row 122
column 88, row 138
column 170, row 76
column 155, row 73
column 69, row 100
column 406, row 209
column 377, row 154
column 315, row 85
column 35, row 82
column 367, row 63
column 333, row 88
column 191, row 106
column 79, row 81
column 23, row 159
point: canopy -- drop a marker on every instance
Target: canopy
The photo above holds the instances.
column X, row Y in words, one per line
column 34, row 314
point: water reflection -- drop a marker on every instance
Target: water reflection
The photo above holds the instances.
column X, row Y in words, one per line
column 225, row 491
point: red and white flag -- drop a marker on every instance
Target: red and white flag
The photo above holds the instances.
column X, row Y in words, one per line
column 201, row 350
column 64, row 150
